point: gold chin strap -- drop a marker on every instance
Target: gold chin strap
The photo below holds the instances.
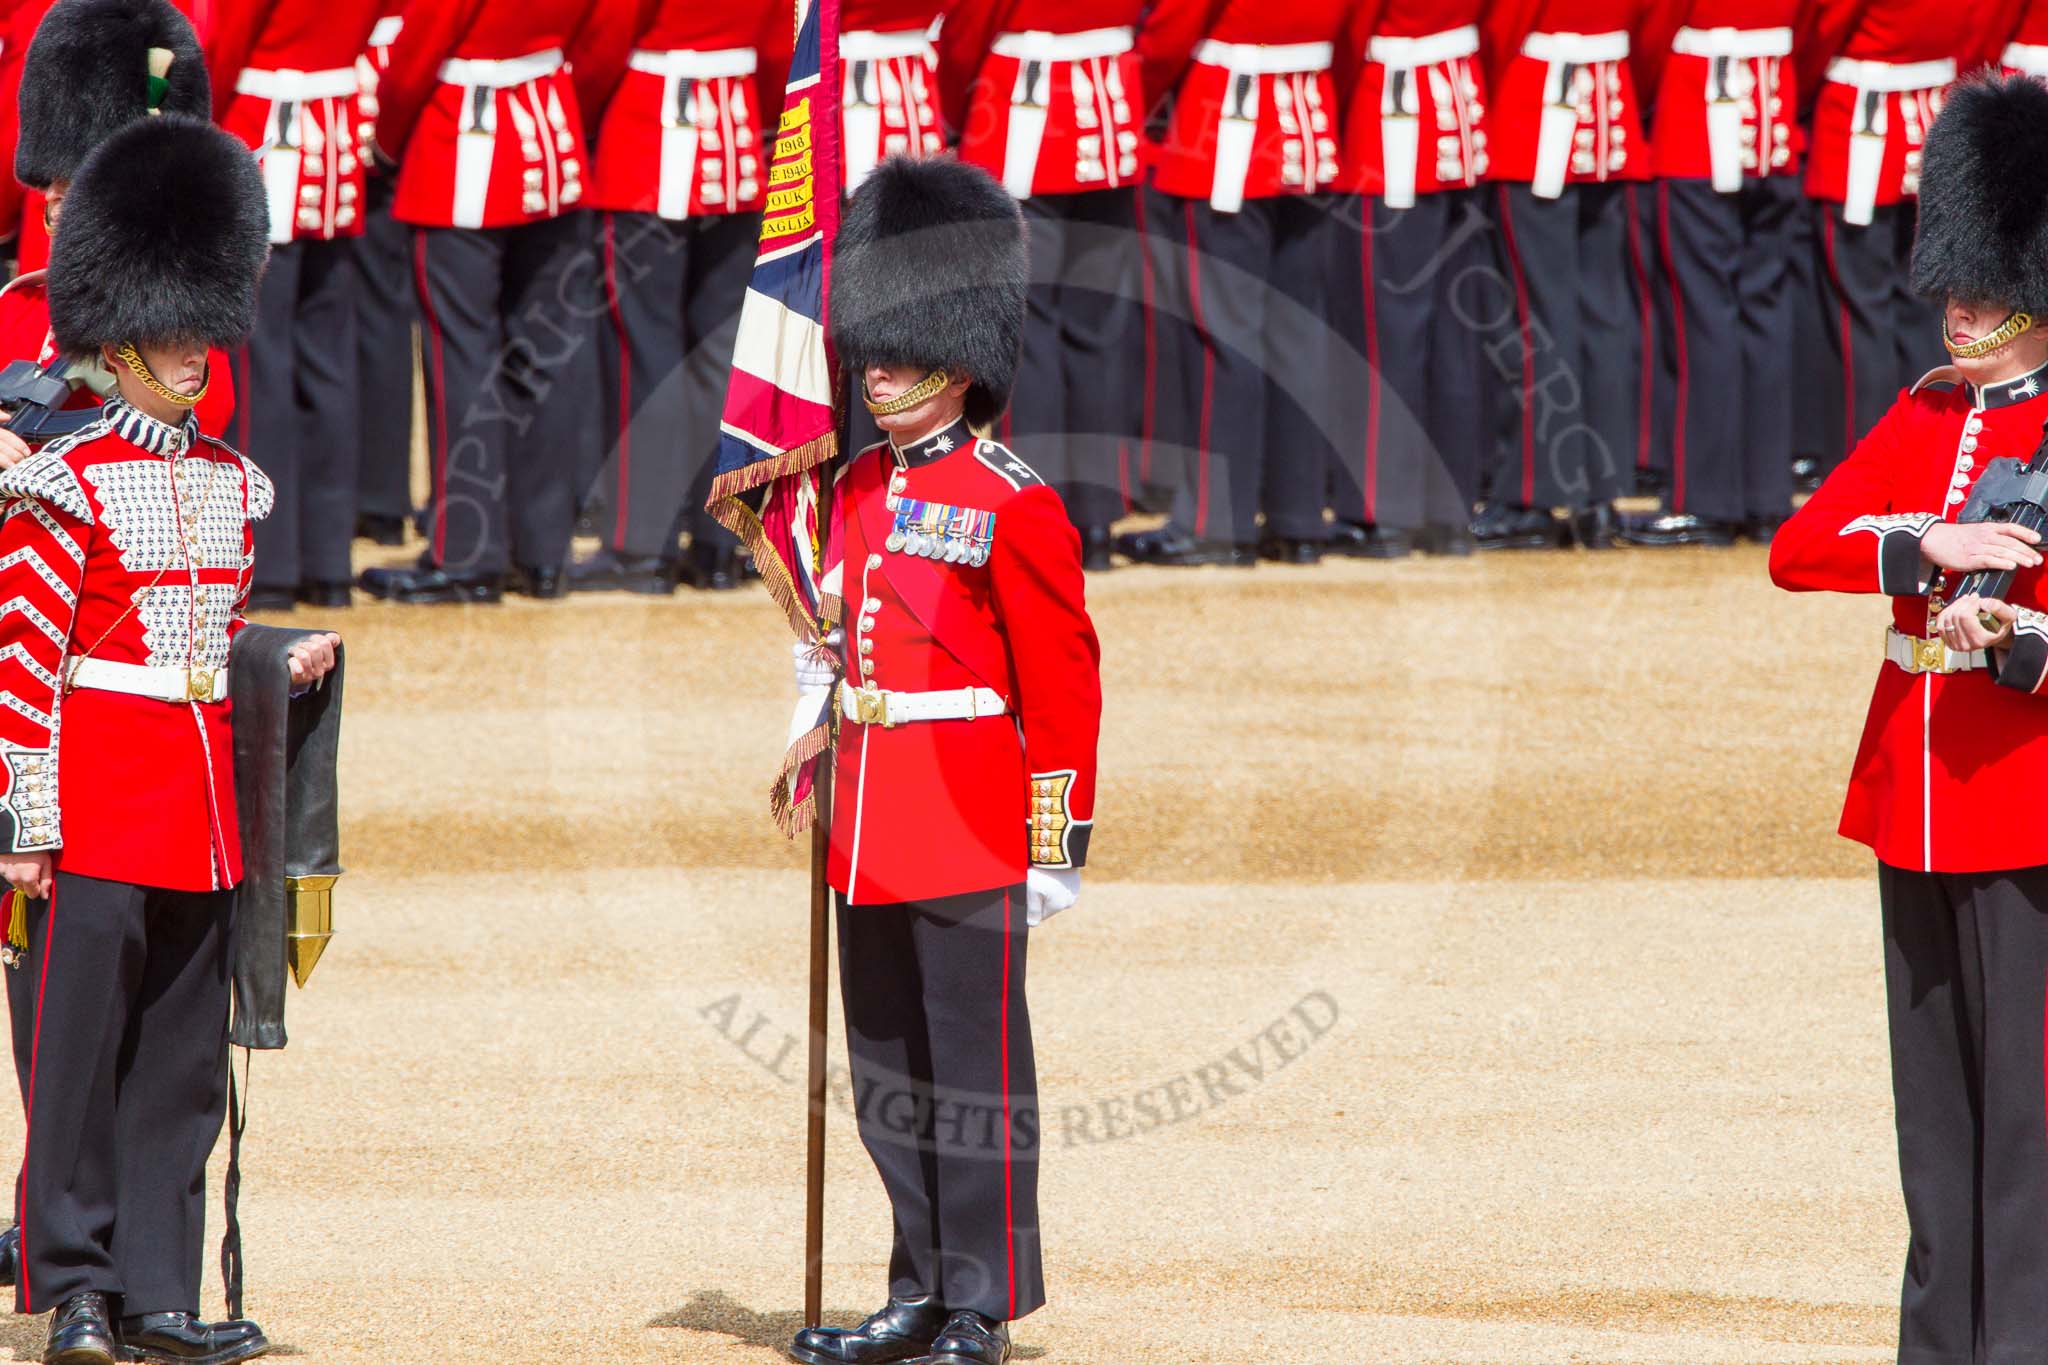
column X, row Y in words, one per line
column 2014, row 326
column 925, row 389
column 139, row 367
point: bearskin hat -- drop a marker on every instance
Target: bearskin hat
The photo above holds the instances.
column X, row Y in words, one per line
column 87, row 75
column 930, row 271
column 1983, row 235
column 164, row 239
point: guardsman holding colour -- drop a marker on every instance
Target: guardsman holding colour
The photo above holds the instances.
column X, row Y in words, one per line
column 127, row 550
column 964, row 784
column 1949, row 768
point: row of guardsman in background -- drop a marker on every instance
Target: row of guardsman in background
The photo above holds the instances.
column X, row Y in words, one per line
column 1308, row 275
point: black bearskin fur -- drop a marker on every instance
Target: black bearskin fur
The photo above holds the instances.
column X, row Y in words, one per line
column 930, row 270
column 1983, row 235
column 86, row 76
column 164, row 239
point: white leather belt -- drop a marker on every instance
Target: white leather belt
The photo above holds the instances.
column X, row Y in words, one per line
column 298, row 86
column 158, row 684
column 1576, row 47
column 387, row 30
column 873, row 706
column 866, row 45
column 1892, row 78
column 693, row 65
column 501, row 75
column 1916, row 654
column 2032, row 58
column 1037, row 45
column 1266, row 59
column 1747, row 44
column 1410, row 53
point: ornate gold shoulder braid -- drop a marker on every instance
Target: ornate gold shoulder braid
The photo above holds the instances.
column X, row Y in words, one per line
column 2014, row 326
column 139, row 367
column 931, row 386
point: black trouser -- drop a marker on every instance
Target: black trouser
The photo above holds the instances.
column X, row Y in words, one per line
column 1077, row 401
column 1411, row 391
column 1880, row 335
column 675, row 291
column 387, row 311
column 945, row 1088
column 1152, row 472
column 511, row 326
column 1256, row 353
column 1725, row 300
column 1577, row 374
column 1966, row 959
column 125, row 990
column 297, row 404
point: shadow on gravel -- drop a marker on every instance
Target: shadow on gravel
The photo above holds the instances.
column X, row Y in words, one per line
column 714, row 1310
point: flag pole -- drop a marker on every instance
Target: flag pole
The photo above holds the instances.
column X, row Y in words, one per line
column 814, row 1143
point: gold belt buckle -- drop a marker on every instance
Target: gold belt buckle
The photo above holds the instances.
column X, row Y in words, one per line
column 199, row 684
column 871, row 707
column 1929, row 656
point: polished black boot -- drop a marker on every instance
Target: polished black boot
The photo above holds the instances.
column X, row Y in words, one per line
column 1287, row 550
column 610, row 571
column 902, row 1331
column 1095, row 547
column 1806, row 473
column 179, row 1337
column 80, row 1333
column 10, row 1254
column 1452, row 541
column 1361, row 541
column 1503, row 526
column 1596, row 527
column 273, row 599
column 1762, row 529
column 424, row 584
column 1678, row 529
column 971, row 1339
column 714, row 568
column 1171, row 545
column 545, row 582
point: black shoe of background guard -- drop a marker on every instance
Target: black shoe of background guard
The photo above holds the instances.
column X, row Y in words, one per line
column 1680, row 528
column 181, row 1339
column 971, row 1339
column 902, row 1331
column 423, row 585
column 1502, row 526
column 80, row 1333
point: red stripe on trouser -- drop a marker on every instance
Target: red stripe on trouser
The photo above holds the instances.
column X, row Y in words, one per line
column 1682, row 396
column 1522, row 323
column 1848, row 342
column 1372, row 377
column 440, row 395
column 1201, row 526
column 1644, row 380
column 1151, row 400
column 35, row 1048
column 611, row 294
column 1009, row 1197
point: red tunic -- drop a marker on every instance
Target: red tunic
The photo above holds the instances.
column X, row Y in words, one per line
column 1048, row 94
column 683, row 134
column 1414, row 96
column 1255, row 103
column 128, row 543
column 1727, row 96
column 285, row 82
column 482, row 105
column 1880, row 67
column 1565, row 109
column 1949, row 764
column 25, row 335
column 371, row 65
column 16, row 27
column 2021, row 45
column 946, row 807
column 889, row 83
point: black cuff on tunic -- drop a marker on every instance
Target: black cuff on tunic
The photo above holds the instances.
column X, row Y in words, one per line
column 1900, row 570
column 2025, row 663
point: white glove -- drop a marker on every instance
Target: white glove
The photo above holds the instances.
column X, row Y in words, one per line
column 814, row 667
column 1048, row 891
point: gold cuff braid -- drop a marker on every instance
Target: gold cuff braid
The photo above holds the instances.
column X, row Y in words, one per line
column 1049, row 819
